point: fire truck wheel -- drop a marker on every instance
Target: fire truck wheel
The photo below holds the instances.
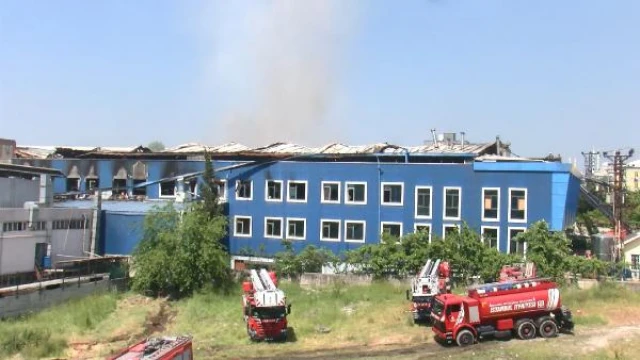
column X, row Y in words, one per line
column 526, row 329
column 548, row 328
column 465, row 338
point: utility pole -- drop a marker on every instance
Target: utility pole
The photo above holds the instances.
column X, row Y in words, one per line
column 590, row 162
column 618, row 184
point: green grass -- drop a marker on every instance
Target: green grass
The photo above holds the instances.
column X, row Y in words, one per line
column 590, row 307
column 46, row 333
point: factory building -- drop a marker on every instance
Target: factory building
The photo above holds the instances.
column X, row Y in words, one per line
column 337, row 196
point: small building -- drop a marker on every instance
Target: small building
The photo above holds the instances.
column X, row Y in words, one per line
column 632, row 175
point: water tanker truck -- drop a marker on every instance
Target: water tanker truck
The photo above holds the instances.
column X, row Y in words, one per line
column 524, row 308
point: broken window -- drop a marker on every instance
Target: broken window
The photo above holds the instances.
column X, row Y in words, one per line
column 92, row 184
column 392, row 229
column 243, row 190
column 518, row 202
column 119, row 186
column 168, row 188
column 193, row 186
column 423, row 202
column 356, row 193
column 141, row 190
column 330, row 230
column 297, row 191
column 490, row 204
column 243, row 226
column 296, row 229
column 219, row 187
column 354, row 231
column 330, row 192
column 274, row 190
column 392, row 194
column 73, row 184
column 273, row 228
column 490, row 237
column 452, row 203
column 515, row 246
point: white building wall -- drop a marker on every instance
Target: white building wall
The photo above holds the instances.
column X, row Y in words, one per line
column 14, row 192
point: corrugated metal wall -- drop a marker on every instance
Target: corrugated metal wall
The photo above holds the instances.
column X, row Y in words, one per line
column 15, row 191
column 121, row 232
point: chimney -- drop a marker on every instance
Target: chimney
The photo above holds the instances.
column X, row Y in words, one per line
column 498, row 146
column 45, row 197
column 435, row 140
column 462, row 140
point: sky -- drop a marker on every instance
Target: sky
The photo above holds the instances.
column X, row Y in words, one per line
column 547, row 76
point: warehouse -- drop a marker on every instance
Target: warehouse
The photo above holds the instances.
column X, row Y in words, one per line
column 336, row 196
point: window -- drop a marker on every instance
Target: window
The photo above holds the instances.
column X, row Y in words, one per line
column 15, row 226
column 354, row 231
column 330, row 192
column 516, row 247
column 449, row 229
column 490, row 236
column 423, row 229
column 273, row 228
column 75, row 224
column 242, row 226
column 220, row 188
column 330, row 230
column 297, row 191
column 392, row 228
column 39, row 225
column 92, row 184
column 296, row 229
column 119, row 186
column 168, row 188
column 73, row 184
column 356, row 193
column 274, row 190
column 490, row 204
column 139, row 191
column 517, row 205
column 423, row 202
column 244, row 190
column 635, row 262
column 392, row 193
column 452, row 203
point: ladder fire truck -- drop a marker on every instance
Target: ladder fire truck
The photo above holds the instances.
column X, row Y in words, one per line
column 162, row 348
column 433, row 279
column 265, row 307
column 524, row 308
column 518, row 271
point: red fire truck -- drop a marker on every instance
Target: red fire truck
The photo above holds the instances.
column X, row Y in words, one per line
column 433, row 279
column 265, row 307
column 524, row 308
column 163, row 348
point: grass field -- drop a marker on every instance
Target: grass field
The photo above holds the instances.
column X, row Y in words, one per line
column 333, row 319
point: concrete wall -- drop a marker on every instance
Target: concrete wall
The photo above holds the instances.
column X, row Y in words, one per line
column 14, row 192
column 7, row 150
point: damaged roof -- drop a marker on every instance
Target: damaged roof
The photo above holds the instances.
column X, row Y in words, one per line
column 278, row 149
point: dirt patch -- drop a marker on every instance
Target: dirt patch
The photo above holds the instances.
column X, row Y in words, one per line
column 157, row 322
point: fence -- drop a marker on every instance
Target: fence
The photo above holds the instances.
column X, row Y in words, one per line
column 24, row 299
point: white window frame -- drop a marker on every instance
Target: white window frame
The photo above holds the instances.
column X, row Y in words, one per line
column 526, row 205
column 306, row 190
column 415, row 210
column 383, row 223
column 446, row 226
column 523, row 229
column 266, row 219
column 364, row 231
column 416, row 225
column 175, row 190
column 266, row 190
column 392, row 183
column 304, row 233
column 497, row 228
column 444, row 203
column 235, row 229
column 236, row 191
column 497, row 218
column 322, row 238
column 322, row 199
column 346, row 193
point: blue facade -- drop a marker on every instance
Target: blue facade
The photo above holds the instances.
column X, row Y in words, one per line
column 549, row 191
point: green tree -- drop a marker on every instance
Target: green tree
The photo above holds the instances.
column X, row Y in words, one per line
column 156, row 146
column 548, row 250
column 310, row 259
column 209, row 191
column 180, row 253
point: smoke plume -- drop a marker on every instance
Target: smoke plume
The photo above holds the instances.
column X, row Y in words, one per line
column 276, row 68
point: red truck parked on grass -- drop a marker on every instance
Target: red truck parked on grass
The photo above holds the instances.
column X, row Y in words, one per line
column 162, row 348
column 524, row 308
column 265, row 307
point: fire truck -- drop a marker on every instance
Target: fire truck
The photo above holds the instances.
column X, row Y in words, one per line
column 433, row 279
column 162, row 348
column 518, row 271
column 265, row 307
column 523, row 308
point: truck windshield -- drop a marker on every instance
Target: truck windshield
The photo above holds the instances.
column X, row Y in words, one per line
column 438, row 306
column 269, row 312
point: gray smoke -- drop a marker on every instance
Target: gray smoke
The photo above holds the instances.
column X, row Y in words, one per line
column 278, row 62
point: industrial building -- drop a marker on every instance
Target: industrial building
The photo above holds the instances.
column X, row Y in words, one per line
column 336, row 196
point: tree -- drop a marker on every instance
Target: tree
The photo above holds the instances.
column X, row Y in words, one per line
column 180, row 253
column 209, row 191
column 156, row 146
column 310, row 259
column 548, row 250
